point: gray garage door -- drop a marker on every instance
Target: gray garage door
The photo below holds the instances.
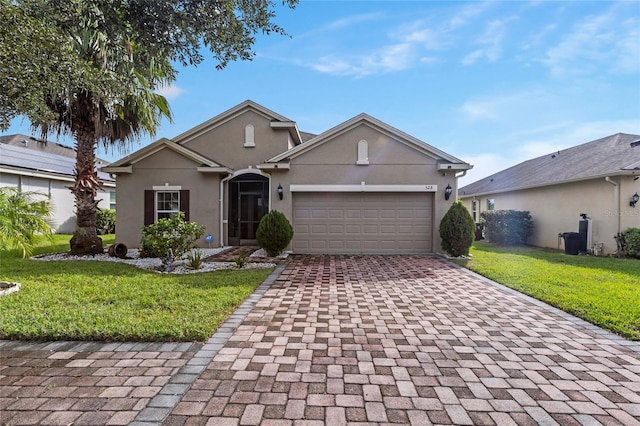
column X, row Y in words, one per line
column 362, row 222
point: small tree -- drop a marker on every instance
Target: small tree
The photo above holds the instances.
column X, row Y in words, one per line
column 22, row 217
column 274, row 233
column 169, row 239
column 457, row 230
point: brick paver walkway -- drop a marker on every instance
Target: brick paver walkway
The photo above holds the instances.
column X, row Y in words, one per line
column 341, row 340
column 78, row 383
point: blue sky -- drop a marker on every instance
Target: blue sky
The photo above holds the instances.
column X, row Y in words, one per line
column 493, row 83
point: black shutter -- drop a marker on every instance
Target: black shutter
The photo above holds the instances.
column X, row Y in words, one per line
column 184, row 203
column 149, row 207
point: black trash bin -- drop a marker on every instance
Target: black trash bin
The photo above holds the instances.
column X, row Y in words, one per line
column 479, row 230
column 571, row 243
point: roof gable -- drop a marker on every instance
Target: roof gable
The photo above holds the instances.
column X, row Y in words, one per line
column 278, row 120
column 379, row 126
column 160, row 145
column 609, row 156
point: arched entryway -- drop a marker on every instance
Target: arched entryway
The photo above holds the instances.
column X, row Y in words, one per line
column 248, row 202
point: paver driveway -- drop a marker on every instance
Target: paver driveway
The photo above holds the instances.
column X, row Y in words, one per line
column 411, row 340
column 344, row 340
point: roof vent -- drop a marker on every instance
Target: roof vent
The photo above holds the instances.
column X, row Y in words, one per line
column 635, row 143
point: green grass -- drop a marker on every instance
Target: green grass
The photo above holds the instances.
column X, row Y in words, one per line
column 110, row 301
column 602, row 290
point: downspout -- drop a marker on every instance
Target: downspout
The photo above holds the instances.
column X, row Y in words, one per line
column 464, row 173
column 616, row 199
column 221, row 208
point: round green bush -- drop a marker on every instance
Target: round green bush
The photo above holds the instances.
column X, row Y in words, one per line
column 632, row 242
column 274, row 233
column 457, row 230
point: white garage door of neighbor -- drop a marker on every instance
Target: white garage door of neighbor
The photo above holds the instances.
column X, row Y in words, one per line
column 362, row 222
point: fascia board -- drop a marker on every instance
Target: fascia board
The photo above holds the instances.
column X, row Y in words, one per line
column 214, row 170
column 116, row 170
column 270, row 166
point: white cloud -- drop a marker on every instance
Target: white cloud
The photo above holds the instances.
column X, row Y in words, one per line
column 490, row 43
column 609, row 40
column 170, row 91
column 468, row 13
column 394, row 57
column 479, row 110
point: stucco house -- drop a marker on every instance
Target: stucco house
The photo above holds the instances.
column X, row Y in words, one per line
column 31, row 164
column 598, row 178
column 360, row 187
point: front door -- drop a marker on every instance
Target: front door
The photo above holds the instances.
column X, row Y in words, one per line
column 248, row 202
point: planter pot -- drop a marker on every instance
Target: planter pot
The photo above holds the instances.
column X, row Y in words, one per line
column 118, row 250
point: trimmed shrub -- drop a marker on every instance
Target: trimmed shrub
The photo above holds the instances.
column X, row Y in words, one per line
column 169, row 239
column 507, row 227
column 632, row 242
column 274, row 233
column 106, row 221
column 457, row 230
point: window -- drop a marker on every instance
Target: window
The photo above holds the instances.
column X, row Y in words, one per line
column 249, row 136
column 474, row 210
column 491, row 204
column 167, row 204
column 112, row 200
column 165, row 201
column 363, row 153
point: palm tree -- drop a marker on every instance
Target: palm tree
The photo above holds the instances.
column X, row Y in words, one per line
column 92, row 116
column 23, row 215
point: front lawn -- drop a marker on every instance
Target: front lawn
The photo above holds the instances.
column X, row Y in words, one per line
column 602, row 290
column 109, row 301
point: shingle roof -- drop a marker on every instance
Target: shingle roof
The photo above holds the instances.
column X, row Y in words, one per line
column 612, row 155
column 37, row 160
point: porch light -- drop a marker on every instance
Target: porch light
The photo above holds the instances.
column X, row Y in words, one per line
column 280, row 192
column 634, row 199
column 447, row 192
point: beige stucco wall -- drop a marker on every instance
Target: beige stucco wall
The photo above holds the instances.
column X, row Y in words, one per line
column 225, row 143
column 556, row 209
column 166, row 167
column 391, row 162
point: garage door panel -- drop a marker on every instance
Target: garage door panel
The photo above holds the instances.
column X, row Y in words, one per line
column 353, row 229
column 319, row 229
column 318, row 213
column 388, row 229
column 336, row 229
column 362, row 222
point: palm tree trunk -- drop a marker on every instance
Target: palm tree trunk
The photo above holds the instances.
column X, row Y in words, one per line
column 85, row 240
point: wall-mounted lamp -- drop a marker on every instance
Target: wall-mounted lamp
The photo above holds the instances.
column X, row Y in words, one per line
column 634, row 199
column 447, row 192
column 280, row 192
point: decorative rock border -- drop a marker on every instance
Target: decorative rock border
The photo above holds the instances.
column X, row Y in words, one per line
column 8, row 288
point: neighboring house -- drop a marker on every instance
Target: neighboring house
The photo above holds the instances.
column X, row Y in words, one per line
column 47, row 168
column 360, row 187
column 598, row 178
